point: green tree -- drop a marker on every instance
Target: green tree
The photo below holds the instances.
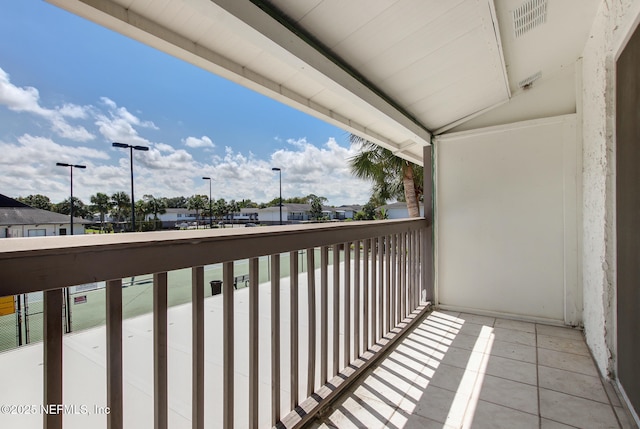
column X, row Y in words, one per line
column 121, row 206
column 392, row 176
column 101, row 203
column 176, row 202
column 316, row 206
column 37, row 201
column 154, row 206
column 220, row 208
column 197, row 203
column 79, row 208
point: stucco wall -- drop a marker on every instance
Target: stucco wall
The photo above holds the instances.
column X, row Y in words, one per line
column 614, row 21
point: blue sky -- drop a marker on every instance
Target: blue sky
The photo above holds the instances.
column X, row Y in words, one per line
column 68, row 88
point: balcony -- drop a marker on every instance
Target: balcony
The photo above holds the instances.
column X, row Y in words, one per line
column 351, row 343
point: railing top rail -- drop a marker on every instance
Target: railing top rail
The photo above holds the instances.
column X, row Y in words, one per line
column 42, row 263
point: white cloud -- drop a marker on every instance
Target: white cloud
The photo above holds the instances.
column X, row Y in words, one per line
column 195, row 142
column 118, row 124
column 27, row 99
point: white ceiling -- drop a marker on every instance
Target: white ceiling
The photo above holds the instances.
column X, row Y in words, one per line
column 394, row 71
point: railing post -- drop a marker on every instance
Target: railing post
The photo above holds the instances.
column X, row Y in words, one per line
column 52, row 356
column 356, row 299
column 275, row 339
column 160, row 368
column 293, row 304
column 403, row 275
column 387, row 283
column 254, row 317
column 114, row 353
column 311, row 298
column 228, row 345
column 365, row 295
column 381, row 287
column 336, row 310
column 197, row 347
column 374, row 293
column 347, row 305
column 324, row 317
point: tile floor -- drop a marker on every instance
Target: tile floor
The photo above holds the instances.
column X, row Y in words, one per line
column 467, row 371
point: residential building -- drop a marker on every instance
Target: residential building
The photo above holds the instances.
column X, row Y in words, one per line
column 398, row 210
column 20, row 220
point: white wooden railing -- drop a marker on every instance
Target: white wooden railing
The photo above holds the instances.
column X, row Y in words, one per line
column 375, row 294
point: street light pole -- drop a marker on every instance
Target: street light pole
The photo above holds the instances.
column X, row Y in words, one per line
column 67, row 296
column 71, row 167
column 133, row 201
column 279, row 171
column 210, row 207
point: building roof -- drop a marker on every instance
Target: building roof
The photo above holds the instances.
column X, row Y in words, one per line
column 13, row 212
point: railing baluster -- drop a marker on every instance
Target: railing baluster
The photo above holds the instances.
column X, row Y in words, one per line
column 414, row 269
column 254, row 318
column 365, row 296
column 114, row 353
column 160, row 365
column 387, row 283
column 324, row 320
column 197, row 346
column 403, row 274
column 394, row 281
column 381, row 287
column 356, row 299
column 228, row 380
column 374, row 292
column 347, row 305
column 293, row 304
column 419, row 266
column 52, row 357
column 311, row 298
column 336, row 309
column 275, row 339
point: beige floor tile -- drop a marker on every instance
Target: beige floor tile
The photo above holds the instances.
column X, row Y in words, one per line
column 550, row 424
column 515, row 336
column 515, row 370
column 454, row 379
column 477, row 319
column 612, row 393
column 470, row 342
column 567, row 361
column 492, row 416
column 355, row 413
column 475, row 329
column 585, row 386
column 435, row 404
column 515, row 324
column 519, row 396
column 567, row 345
column 462, row 358
column 574, row 411
column 559, row 331
column 513, row 351
column 403, row 420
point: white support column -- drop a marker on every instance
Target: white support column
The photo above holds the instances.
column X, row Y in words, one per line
column 275, row 339
column 311, row 307
column 293, row 304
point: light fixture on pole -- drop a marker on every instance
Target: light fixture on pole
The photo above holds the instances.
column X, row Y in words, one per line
column 210, row 206
column 133, row 202
column 71, row 167
column 67, row 296
column 279, row 171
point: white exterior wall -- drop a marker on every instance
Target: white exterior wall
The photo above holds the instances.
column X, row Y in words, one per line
column 507, row 221
column 50, row 229
column 401, row 213
column 615, row 21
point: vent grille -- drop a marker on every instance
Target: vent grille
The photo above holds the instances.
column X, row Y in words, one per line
column 528, row 16
column 526, row 83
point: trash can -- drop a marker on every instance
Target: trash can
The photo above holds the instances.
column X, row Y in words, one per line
column 216, row 287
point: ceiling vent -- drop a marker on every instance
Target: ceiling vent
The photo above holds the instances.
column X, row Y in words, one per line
column 528, row 82
column 528, row 16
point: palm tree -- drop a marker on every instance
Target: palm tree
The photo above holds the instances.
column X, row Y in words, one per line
column 121, row 205
column 197, row 203
column 101, row 204
column 392, row 176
